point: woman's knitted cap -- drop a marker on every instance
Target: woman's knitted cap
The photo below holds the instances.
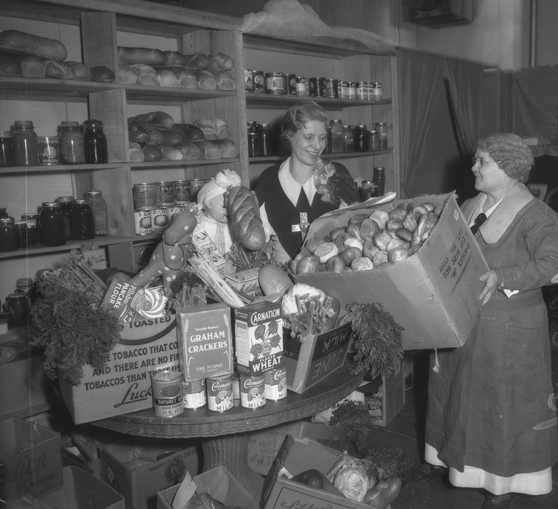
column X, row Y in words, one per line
column 511, row 153
column 223, row 180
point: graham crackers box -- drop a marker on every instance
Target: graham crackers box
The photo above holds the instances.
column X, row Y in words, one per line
column 204, row 341
column 258, row 331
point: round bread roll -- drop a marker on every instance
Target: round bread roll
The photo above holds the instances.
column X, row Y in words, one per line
column 175, row 58
column 167, row 78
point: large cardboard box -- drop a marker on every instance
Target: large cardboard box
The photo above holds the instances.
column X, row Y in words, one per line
column 433, row 294
column 124, row 385
column 31, row 458
column 138, row 468
column 264, row 445
column 315, row 357
column 219, row 484
column 82, row 489
column 295, row 456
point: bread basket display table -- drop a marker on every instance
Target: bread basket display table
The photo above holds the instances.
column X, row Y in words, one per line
column 226, row 435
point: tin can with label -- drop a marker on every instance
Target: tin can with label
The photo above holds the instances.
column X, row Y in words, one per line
column 276, row 383
column 159, row 219
column 181, row 192
column 167, row 393
column 362, row 91
column 301, row 86
column 321, row 87
column 352, row 89
column 275, row 83
column 195, row 186
column 314, row 87
column 143, row 222
column 48, row 149
column 172, row 211
column 194, row 394
column 343, row 90
column 291, row 84
column 145, row 195
column 378, row 90
column 165, row 194
column 259, row 82
column 249, row 80
column 236, row 389
column 370, row 90
column 219, row 393
column 329, row 90
column 252, row 388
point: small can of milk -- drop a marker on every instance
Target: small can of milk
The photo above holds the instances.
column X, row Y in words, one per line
column 167, row 393
column 220, row 393
column 194, row 394
column 276, row 383
column 252, row 391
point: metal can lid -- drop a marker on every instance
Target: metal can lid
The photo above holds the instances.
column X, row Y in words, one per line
column 24, row 281
column 65, row 199
column 51, row 204
column 94, row 192
column 7, row 220
column 23, row 123
column 70, row 123
column 48, row 139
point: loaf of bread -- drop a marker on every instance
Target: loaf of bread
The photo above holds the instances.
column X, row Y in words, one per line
column 147, row 75
column 209, row 149
column 224, row 81
column 23, row 43
column 152, row 153
column 135, row 153
column 197, row 62
column 244, row 215
column 147, row 56
column 190, row 150
column 126, row 75
column 158, row 119
column 81, row 71
column 221, row 62
column 186, row 78
column 208, row 128
column 175, row 59
column 172, row 153
column 101, row 73
column 190, row 132
column 138, row 134
column 9, row 65
column 21, row 65
column 59, row 70
column 206, row 80
column 156, row 136
column 221, row 128
column 228, row 148
column 167, row 78
column 173, row 136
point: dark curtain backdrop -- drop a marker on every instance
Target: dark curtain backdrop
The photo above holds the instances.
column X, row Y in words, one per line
column 422, row 76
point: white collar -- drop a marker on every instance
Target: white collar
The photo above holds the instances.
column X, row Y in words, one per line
column 291, row 187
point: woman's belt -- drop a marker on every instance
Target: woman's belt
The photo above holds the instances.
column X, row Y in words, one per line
column 500, row 302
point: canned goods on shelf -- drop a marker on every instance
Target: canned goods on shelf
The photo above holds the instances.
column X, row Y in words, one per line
column 166, row 388
column 195, row 186
column 194, row 394
column 275, row 83
column 143, row 222
column 370, row 89
column 329, row 89
column 343, row 91
column 291, row 84
column 352, row 87
column 145, row 195
column 165, row 194
column 314, row 87
column 378, row 90
column 259, row 81
column 249, row 80
column 362, row 91
column 182, row 193
column 276, row 384
column 159, row 219
column 252, row 388
column 219, row 393
column 48, row 147
column 301, row 85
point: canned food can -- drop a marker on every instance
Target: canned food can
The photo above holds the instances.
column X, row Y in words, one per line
column 219, row 393
column 249, row 80
column 259, row 81
column 172, row 211
column 195, row 186
column 378, row 90
column 236, row 389
column 47, row 147
column 165, row 194
column 362, row 91
column 252, row 388
column 343, row 90
column 329, row 90
column 275, row 83
column 181, row 192
column 301, row 86
column 314, row 87
column 276, row 384
column 321, row 87
column 352, row 89
column 335, row 88
column 291, row 84
column 194, row 394
column 145, row 195
column 166, row 386
column 143, row 222
column 159, row 219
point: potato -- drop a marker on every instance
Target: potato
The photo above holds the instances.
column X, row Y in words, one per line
column 380, row 217
column 354, row 231
column 357, row 219
column 394, row 224
column 308, row 264
column 335, row 264
column 380, row 257
column 349, row 254
column 333, row 234
column 369, row 249
column 369, row 228
column 397, row 213
column 362, row 263
column 404, row 234
column 381, row 240
column 354, row 243
column 325, row 251
column 396, row 255
column 313, row 243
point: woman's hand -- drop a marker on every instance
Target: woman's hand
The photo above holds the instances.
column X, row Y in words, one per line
column 490, row 287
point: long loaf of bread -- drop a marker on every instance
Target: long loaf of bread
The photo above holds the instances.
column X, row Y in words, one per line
column 244, row 216
column 29, row 44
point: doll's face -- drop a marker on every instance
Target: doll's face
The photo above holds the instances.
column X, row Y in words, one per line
column 215, row 208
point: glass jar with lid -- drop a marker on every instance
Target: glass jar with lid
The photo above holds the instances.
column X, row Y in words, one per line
column 266, row 139
column 82, row 221
column 6, row 149
column 95, row 142
column 66, row 206
column 99, row 207
column 72, row 150
column 379, row 178
column 337, row 136
column 254, row 145
column 51, row 225
column 348, row 138
column 24, row 141
column 8, row 235
column 361, row 138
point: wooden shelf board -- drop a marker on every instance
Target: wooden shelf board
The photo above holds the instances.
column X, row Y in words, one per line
column 254, row 100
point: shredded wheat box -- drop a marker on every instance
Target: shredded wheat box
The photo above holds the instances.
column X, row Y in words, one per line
column 258, row 333
column 124, row 384
column 205, row 341
column 245, row 281
column 433, row 294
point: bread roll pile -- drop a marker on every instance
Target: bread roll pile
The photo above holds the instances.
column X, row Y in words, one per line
column 154, row 136
column 32, row 56
column 152, row 67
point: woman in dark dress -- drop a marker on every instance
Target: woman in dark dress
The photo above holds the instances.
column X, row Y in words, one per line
column 302, row 188
column 491, row 420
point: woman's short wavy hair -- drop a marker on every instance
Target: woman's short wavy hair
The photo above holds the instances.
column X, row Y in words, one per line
column 298, row 115
column 511, row 153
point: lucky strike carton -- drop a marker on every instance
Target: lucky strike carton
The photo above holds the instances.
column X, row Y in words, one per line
column 204, row 341
column 258, row 332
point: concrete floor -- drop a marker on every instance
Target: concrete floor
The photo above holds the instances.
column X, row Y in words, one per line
column 406, row 431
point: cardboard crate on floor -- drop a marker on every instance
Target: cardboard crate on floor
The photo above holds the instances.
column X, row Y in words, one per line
column 219, row 483
column 31, row 457
column 138, row 468
column 432, row 294
column 82, row 490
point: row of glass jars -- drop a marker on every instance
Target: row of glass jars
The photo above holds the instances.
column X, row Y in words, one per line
column 58, row 221
column 74, row 145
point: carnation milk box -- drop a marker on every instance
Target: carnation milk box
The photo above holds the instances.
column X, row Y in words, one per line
column 205, row 341
column 258, row 332
column 123, row 385
column 433, row 294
